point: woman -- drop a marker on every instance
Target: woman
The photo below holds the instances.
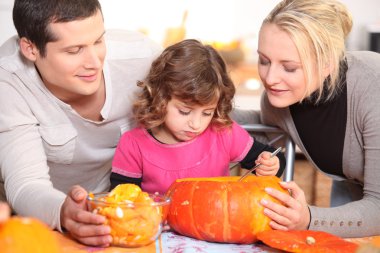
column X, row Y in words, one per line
column 327, row 100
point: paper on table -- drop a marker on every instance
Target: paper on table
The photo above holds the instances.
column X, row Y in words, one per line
column 174, row 243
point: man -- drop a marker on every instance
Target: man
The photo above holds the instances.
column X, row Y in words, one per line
column 64, row 105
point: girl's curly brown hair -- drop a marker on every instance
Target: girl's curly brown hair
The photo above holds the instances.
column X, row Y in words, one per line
column 191, row 72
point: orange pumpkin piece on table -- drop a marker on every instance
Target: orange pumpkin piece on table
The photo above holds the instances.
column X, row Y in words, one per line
column 220, row 209
column 27, row 235
column 373, row 246
column 133, row 215
column 376, row 242
column 306, row 241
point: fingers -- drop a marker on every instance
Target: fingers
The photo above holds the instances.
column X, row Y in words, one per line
column 89, row 229
column 284, row 198
column 275, row 212
column 264, row 157
column 265, row 171
column 278, row 222
column 294, row 190
column 98, row 241
column 282, row 217
column 86, row 217
column 277, row 226
column 86, row 227
column 73, row 212
column 294, row 200
column 268, row 161
column 284, row 212
column 77, row 193
column 82, row 230
column 292, row 213
column 5, row 212
column 268, row 167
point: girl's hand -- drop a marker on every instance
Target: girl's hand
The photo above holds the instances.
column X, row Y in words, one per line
column 294, row 215
column 269, row 165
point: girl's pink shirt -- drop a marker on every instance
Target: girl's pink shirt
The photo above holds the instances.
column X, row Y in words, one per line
column 138, row 155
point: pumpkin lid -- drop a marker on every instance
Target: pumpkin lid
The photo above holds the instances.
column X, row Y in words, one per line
column 305, row 241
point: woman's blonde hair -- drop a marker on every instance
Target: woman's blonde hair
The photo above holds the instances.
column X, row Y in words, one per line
column 191, row 72
column 318, row 28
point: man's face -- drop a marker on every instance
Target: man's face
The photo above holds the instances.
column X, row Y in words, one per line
column 72, row 67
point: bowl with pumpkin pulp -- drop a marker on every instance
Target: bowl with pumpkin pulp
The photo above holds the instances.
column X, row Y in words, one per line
column 136, row 218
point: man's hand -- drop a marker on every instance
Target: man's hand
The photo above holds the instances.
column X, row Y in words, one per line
column 83, row 225
column 5, row 212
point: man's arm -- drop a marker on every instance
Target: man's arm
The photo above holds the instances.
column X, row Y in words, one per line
column 23, row 161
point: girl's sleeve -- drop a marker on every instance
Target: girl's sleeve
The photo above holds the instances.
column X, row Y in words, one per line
column 237, row 142
column 127, row 160
column 245, row 149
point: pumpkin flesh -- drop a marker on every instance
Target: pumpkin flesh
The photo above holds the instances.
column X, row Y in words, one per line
column 220, row 209
column 134, row 216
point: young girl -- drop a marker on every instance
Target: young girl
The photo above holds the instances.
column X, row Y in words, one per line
column 185, row 129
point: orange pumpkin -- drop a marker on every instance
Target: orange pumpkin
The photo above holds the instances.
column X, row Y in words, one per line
column 27, row 235
column 220, row 209
column 306, row 241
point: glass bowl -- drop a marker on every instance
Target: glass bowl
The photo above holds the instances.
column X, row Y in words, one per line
column 132, row 224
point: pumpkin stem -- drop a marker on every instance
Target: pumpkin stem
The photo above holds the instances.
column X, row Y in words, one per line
column 310, row 240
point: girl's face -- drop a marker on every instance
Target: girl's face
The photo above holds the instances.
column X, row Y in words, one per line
column 184, row 122
column 280, row 67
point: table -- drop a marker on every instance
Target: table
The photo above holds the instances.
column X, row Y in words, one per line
column 68, row 245
column 170, row 242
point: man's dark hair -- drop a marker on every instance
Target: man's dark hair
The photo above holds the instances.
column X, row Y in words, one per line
column 31, row 18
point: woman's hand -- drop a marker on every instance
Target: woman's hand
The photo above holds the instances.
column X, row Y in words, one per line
column 294, row 215
column 269, row 166
column 83, row 225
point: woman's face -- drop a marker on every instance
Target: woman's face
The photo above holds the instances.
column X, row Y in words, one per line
column 280, row 67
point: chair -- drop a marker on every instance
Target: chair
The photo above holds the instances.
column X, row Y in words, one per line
column 289, row 145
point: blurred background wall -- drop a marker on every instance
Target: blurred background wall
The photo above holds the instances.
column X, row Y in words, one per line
column 229, row 25
column 208, row 20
